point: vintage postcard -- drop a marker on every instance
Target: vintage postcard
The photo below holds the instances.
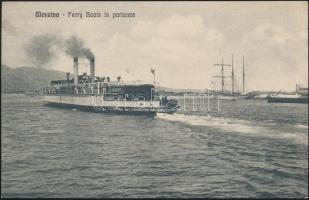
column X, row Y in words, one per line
column 179, row 99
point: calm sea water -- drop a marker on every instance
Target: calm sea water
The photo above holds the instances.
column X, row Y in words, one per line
column 248, row 149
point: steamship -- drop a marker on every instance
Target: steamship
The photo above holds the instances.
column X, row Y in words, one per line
column 100, row 94
column 300, row 96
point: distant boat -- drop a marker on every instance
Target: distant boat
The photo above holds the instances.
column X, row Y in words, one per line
column 300, row 96
column 287, row 99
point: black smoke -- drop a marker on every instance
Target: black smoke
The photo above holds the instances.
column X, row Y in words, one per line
column 75, row 47
column 41, row 49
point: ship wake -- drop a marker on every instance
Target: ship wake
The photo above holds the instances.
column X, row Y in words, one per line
column 295, row 133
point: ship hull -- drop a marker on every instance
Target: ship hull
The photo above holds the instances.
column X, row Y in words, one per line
column 287, row 100
column 96, row 104
column 101, row 110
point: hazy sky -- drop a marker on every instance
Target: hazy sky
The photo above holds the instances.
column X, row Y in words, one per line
column 181, row 40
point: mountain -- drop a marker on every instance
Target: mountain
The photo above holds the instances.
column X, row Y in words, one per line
column 22, row 79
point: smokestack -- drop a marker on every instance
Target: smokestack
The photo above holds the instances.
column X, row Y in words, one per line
column 92, row 69
column 75, row 70
column 68, row 77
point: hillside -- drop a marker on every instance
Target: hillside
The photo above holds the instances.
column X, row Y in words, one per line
column 24, row 79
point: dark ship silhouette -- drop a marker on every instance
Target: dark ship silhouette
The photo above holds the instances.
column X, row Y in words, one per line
column 100, row 94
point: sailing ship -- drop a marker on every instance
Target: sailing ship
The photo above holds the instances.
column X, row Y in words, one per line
column 231, row 94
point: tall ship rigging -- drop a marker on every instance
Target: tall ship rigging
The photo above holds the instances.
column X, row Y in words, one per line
column 223, row 90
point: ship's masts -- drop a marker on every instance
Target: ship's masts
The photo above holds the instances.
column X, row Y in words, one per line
column 232, row 75
column 243, row 74
column 222, row 75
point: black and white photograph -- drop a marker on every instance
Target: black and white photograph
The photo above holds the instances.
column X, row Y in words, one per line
column 154, row 99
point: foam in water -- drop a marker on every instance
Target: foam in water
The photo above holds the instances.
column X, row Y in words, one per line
column 301, row 126
column 229, row 125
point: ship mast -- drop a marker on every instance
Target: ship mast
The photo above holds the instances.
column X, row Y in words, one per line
column 222, row 74
column 232, row 75
column 243, row 74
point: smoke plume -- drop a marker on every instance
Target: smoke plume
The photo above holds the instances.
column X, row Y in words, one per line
column 41, row 49
column 75, row 47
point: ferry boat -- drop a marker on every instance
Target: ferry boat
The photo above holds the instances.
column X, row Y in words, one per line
column 100, row 94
